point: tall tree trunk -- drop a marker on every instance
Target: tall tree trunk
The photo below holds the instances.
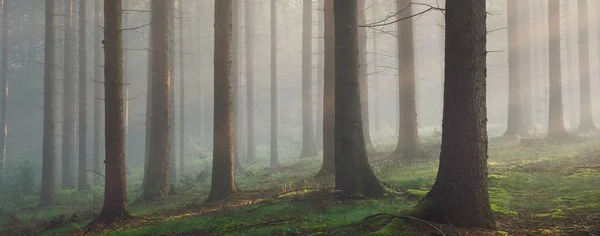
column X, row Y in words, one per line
column 459, row 195
column 274, row 99
column 235, row 80
column 223, row 184
column 115, row 195
column 556, row 126
column 4, row 91
column 172, row 78
column 251, row 148
column 328, row 167
column 98, row 83
column 47, row 192
column 157, row 183
column 586, row 120
column 362, row 74
column 320, row 62
column 82, row 183
column 353, row 174
column 148, row 129
column 525, row 64
column 408, row 134
column 68, row 145
column 571, row 66
column 376, row 117
column 181, row 91
column 308, row 136
column 515, row 110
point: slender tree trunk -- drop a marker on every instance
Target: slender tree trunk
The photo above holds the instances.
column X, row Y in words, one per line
column 328, row 167
column 308, row 136
column 181, row 91
column 362, row 74
column 223, row 184
column 47, row 192
column 98, row 83
column 353, row 174
column 586, row 121
column 82, row 183
column 571, row 66
column 459, row 195
column 235, row 78
column 556, row 126
column 68, row 145
column 408, row 134
column 157, row 182
column 525, row 64
column 251, row 148
column 515, row 110
column 4, row 91
column 320, row 78
column 274, row 99
column 115, row 195
column 148, row 109
column 376, row 117
column 172, row 79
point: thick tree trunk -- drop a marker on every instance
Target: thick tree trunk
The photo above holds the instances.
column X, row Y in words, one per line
column 274, row 99
column 251, row 146
column 98, row 83
column 353, row 174
column 82, row 183
column 223, row 184
column 48, row 156
column 320, row 66
column 68, row 144
column 515, row 110
column 408, row 134
column 115, row 196
column 308, row 135
column 586, row 121
column 459, row 195
column 556, row 126
column 181, row 91
column 328, row 167
column 362, row 74
column 157, row 183
column 4, row 91
column 235, row 78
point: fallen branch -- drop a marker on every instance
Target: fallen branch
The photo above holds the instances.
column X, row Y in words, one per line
column 408, row 218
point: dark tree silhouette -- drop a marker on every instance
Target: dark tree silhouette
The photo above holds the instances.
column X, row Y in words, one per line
column 68, row 122
column 82, row 183
column 328, row 167
column 48, row 156
column 98, row 77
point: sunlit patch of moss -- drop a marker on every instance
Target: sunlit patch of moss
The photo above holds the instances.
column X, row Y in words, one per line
column 502, row 233
column 501, row 201
column 496, row 177
column 417, row 193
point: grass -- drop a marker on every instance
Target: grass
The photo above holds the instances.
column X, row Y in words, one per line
column 555, row 184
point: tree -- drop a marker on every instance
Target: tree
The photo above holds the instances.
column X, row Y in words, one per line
column 274, row 116
column 328, row 167
column 157, row 183
column 249, row 19
column 320, row 76
column 4, row 90
column 223, row 184
column 571, row 66
column 353, row 174
column 115, row 187
column 182, row 91
column 237, row 121
column 68, row 122
column 459, row 195
column 47, row 192
column 556, row 126
column 515, row 122
column 172, row 77
column 374, row 12
column 408, row 134
column 525, row 64
column 586, row 120
column 362, row 73
column 82, row 183
column 309, row 149
column 97, row 88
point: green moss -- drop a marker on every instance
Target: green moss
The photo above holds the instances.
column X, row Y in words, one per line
column 417, row 193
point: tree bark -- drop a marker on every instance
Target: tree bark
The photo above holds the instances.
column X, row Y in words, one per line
column 47, row 193
column 68, row 143
column 4, row 91
column 274, row 99
column 353, row 174
column 251, row 146
column 235, row 78
column 328, row 167
column 223, row 184
column 586, row 120
column 515, row 110
column 556, row 126
column 181, row 91
column 172, row 79
column 82, row 183
column 309, row 149
column 362, row 74
column 459, row 195
column 320, row 78
column 98, row 83
column 571, row 66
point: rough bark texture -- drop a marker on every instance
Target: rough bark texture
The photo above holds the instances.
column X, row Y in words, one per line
column 320, row 62
column 98, row 77
column 3, row 90
column 115, row 196
column 309, row 149
column 328, row 167
column 223, row 184
column 181, row 90
column 408, row 134
column 353, row 174
column 251, row 146
column 362, row 74
column 82, row 183
column 68, row 122
column 274, row 99
column 586, row 120
column 237, row 121
column 556, row 126
column 157, row 183
column 459, row 195
column 514, row 120
column 48, row 156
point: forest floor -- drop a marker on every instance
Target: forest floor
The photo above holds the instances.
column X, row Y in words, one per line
column 542, row 189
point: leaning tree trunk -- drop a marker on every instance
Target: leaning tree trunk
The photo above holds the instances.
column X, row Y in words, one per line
column 515, row 110
column 408, row 134
column 328, row 167
column 98, row 83
column 115, row 188
column 68, row 145
column 82, row 183
column 4, row 91
column 308, row 136
column 48, row 156
column 556, row 126
column 274, row 101
column 223, row 184
column 353, row 174
column 586, row 120
column 362, row 74
column 459, row 195
column 157, row 183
